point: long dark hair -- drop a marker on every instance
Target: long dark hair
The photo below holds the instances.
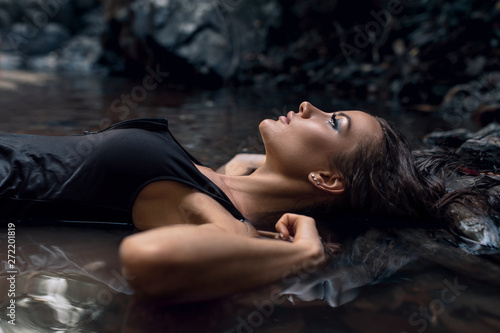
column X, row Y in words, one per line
column 386, row 181
column 382, row 179
column 466, row 185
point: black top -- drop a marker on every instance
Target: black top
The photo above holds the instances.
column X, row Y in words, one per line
column 96, row 176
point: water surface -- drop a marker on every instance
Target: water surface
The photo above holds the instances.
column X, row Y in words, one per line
column 69, row 277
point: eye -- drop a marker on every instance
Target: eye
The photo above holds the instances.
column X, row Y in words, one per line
column 333, row 121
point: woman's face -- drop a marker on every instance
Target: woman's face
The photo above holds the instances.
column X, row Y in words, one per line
column 304, row 142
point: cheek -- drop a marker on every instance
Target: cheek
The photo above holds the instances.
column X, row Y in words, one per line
column 319, row 145
column 316, row 138
column 310, row 152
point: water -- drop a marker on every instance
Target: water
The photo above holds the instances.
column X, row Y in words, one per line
column 69, row 277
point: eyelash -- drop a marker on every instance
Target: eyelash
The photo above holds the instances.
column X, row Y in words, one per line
column 333, row 121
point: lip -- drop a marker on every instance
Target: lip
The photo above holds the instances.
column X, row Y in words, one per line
column 288, row 118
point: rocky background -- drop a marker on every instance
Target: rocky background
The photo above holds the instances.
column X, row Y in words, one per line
column 430, row 56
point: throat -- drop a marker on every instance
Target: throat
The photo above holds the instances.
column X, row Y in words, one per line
column 219, row 180
column 262, row 199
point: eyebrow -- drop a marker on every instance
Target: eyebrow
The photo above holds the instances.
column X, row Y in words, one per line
column 346, row 116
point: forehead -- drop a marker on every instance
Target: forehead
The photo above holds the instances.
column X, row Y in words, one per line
column 363, row 124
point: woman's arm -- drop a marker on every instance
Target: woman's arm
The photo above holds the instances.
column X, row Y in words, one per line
column 190, row 263
column 242, row 164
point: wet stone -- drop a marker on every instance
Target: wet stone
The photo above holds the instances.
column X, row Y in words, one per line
column 486, row 151
column 453, row 138
column 475, row 163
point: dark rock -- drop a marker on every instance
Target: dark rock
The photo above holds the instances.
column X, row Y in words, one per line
column 438, row 247
column 482, row 149
column 215, row 38
column 85, row 5
column 425, row 57
column 44, row 40
column 473, row 167
column 9, row 7
column 479, row 227
column 93, row 23
column 66, row 15
column 477, row 99
column 485, row 152
column 209, row 50
column 38, row 11
column 80, row 55
column 53, row 34
column 453, row 138
column 490, row 129
column 5, row 20
column 487, row 114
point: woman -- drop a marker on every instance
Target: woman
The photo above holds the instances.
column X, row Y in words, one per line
column 197, row 242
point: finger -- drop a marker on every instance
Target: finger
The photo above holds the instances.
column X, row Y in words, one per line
column 288, row 224
column 283, row 226
column 305, row 228
column 301, row 227
column 292, row 221
column 282, row 230
column 269, row 234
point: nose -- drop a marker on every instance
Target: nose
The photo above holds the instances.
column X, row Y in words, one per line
column 306, row 109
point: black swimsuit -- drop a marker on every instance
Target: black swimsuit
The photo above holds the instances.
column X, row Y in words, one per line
column 96, row 176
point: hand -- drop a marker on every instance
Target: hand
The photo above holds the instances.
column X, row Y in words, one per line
column 301, row 229
column 297, row 227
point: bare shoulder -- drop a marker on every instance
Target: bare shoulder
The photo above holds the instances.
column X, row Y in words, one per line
column 169, row 202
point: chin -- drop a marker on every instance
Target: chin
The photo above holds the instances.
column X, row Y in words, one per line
column 267, row 130
column 266, row 122
column 265, row 125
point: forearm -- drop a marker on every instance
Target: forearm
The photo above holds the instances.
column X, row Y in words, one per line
column 242, row 164
column 198, row 262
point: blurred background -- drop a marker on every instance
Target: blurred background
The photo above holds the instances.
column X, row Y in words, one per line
column 217, row 67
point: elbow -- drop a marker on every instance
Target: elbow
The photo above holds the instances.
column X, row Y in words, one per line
column 145, row 267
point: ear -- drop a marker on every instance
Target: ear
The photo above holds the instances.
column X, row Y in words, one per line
column 328, row 181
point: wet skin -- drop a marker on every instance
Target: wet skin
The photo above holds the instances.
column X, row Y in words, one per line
column 305, row 141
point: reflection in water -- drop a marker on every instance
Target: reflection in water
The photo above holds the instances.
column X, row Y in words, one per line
column 68, row 280
column 368, row 259
column 48, row 302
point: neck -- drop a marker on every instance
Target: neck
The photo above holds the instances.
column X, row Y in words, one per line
column 264, row 196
